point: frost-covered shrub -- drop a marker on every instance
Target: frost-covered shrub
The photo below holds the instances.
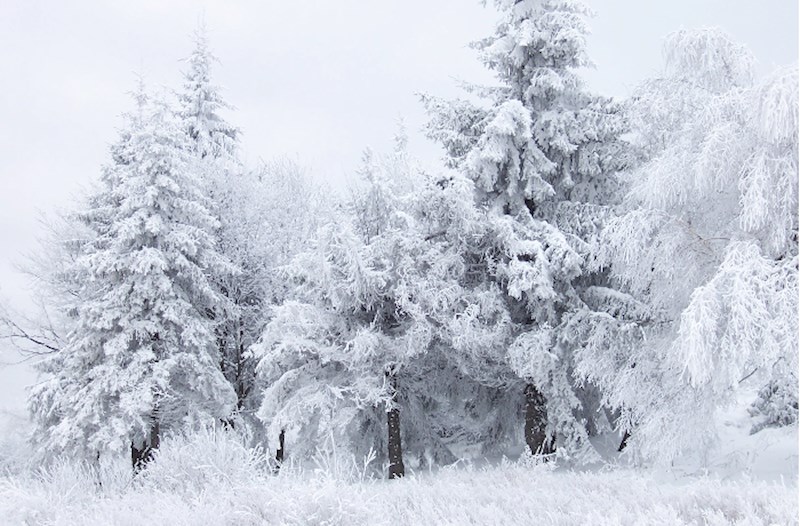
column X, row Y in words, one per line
column 196, row 462
column 40, row 496
column 536, row 463
column 776, row 404
column 336, row 464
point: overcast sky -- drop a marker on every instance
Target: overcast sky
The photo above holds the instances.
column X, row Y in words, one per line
column 318, row 81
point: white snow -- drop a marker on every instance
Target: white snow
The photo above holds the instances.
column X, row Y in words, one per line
column 215, row 480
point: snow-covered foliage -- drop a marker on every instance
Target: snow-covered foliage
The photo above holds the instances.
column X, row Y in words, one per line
column 213, row 479
column 542, row 155
column 215, row 143
column 329, row 356
column 707, row 241
column 55, row 288
column 141, row 356
column 266, row 215
column 581, row 268
column 382, row 319
column 776, row 404
column 16, row 455
column 269, row 215
column 56, row 280
column 201, row 103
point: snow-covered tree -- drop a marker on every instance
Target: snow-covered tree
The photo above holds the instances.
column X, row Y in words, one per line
column 542, row 153
column 707, row 246
column 334, row 352
column 56, row 280
column 215, row 142
column 266, row 216
column 141, row 358
column 270, row 214
column 201, row 104
column 359, row 343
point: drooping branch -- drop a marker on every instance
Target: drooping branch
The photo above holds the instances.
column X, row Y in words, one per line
column 14, row 332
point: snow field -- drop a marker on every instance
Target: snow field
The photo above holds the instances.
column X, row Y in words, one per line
column 216, row 480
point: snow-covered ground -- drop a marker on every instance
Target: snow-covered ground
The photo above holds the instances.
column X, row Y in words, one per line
column 503, row 495
column 213, row 480
column 769, row 455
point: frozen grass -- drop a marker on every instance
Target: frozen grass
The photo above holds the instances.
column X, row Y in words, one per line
column 215, row 479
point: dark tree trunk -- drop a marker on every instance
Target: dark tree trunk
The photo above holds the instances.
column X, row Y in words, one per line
column 222, row 344
column 234, row 366
column 141, row 455
column 624, row 442
column 242, row 377
column 281, row 452
column 396, row 467
column 97, row 464
column 536, row 422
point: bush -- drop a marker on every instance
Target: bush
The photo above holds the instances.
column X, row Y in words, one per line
column 206, row 459
column 776, row 404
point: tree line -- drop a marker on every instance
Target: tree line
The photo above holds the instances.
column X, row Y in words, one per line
column 578, row 266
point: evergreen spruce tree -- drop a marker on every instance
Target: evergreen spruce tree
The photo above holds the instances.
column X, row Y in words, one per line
column 140, row 359
column 201, row 103
column 353, row 353
column 216, row 144
column 542, row 153
column 266, row 216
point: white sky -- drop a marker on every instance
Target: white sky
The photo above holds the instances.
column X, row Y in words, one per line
column 318, row 81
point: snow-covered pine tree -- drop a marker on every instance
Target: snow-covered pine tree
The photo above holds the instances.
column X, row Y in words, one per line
column 708, row 244
column 60, row 270
column 216, row 144
column 542, row 152
column 141, row 358
column 56, row 279
column 201, row 104
column 470, row 398
column 351, row 352
column 266, row 216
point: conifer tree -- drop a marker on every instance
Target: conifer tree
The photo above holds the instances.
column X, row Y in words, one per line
column 352, row 354
column 201, row 103
column 141, row 358
column 542, row 153
column 266, row 215
column 216, row 144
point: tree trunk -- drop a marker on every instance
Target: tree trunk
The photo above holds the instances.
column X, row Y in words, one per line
column 279, row 454
column 396, row 467
column 234, row 368
column 536, row 422
column 140, row 456
column 242, row 382
column 624, row 442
